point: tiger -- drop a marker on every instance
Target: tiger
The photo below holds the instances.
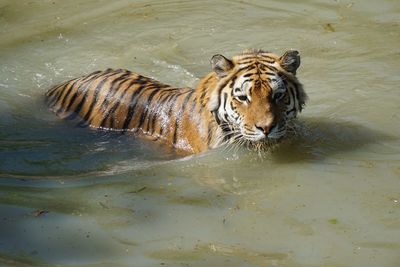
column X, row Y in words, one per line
column 248, row 99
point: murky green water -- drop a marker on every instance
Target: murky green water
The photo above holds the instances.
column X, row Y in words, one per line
column 75, row 197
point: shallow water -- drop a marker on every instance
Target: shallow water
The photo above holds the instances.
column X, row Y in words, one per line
column 76, row 197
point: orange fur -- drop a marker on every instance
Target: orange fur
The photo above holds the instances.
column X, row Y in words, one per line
column 190, row 120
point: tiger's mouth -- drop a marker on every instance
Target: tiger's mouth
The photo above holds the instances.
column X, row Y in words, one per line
column 253, row 140
column 275, row 134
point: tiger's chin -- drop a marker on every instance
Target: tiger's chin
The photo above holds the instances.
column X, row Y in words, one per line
column 264, row 145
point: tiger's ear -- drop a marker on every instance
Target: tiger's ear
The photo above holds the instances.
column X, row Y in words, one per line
column 221, row 65
column 290, row 61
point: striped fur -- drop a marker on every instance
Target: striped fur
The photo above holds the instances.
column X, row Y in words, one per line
column 249, row 98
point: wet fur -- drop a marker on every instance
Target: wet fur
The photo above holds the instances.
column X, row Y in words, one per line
column 189, row 120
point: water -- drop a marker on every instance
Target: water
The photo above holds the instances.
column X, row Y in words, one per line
column 75, row 197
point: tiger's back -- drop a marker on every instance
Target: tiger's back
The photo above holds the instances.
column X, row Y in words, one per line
column 109, row 99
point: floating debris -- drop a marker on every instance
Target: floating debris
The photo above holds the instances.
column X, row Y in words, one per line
column 138, row 191
column 333, row 221
column 38, row 213
column 329, row 27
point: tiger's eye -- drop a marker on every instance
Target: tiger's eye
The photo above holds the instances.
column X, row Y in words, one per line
column 242, row 97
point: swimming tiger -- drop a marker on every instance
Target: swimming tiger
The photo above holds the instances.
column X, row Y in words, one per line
column 250, row 99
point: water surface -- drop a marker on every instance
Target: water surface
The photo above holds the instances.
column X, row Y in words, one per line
column 72, row 196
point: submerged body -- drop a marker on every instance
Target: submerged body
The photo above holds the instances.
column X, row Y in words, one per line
column 250, row 98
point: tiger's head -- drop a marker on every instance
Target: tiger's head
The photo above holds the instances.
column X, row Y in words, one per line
column 257, row 94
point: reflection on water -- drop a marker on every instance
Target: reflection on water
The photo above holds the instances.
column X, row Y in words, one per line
column 319, row 138
column 78, row 197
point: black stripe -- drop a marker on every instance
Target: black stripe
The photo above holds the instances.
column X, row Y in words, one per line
column 51, row 100
column 203, row 95
column 63, row 99
column 247, row 57
column 82, row 102
column 216, row 117
column 225, row 99
column 84, row 85
column 132, row 104
column 146, row 107
column 113, row 89
column 111, row 93
column 205, row 89
column 292, row 110
column 54, row 89
column 291, row 98
column 209, row 134
column 179, row 115
column 74, row 96
column 96, row 93
column 113, row 109
column 246, row 68
column 267, row 57
column 295, row 97
column 192, row 108
column 171, row 102
column 248, row 80
column 64, row 84
column 233, row 82
column 271, row 68
column 271, row 61
column 94, row 75
column 296, row 88
column 167, row 105
column 251, row 61
column 232, row 107
column 293, row 93
column 234, row 76
column 226, row 117
column 223, row 86
column 164, row 94
column 117, row 102
column 186, row 100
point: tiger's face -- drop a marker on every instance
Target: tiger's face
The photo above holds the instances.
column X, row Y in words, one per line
column 257, row 94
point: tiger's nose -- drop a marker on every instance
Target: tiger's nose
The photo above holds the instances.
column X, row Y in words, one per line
column 265, row 128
